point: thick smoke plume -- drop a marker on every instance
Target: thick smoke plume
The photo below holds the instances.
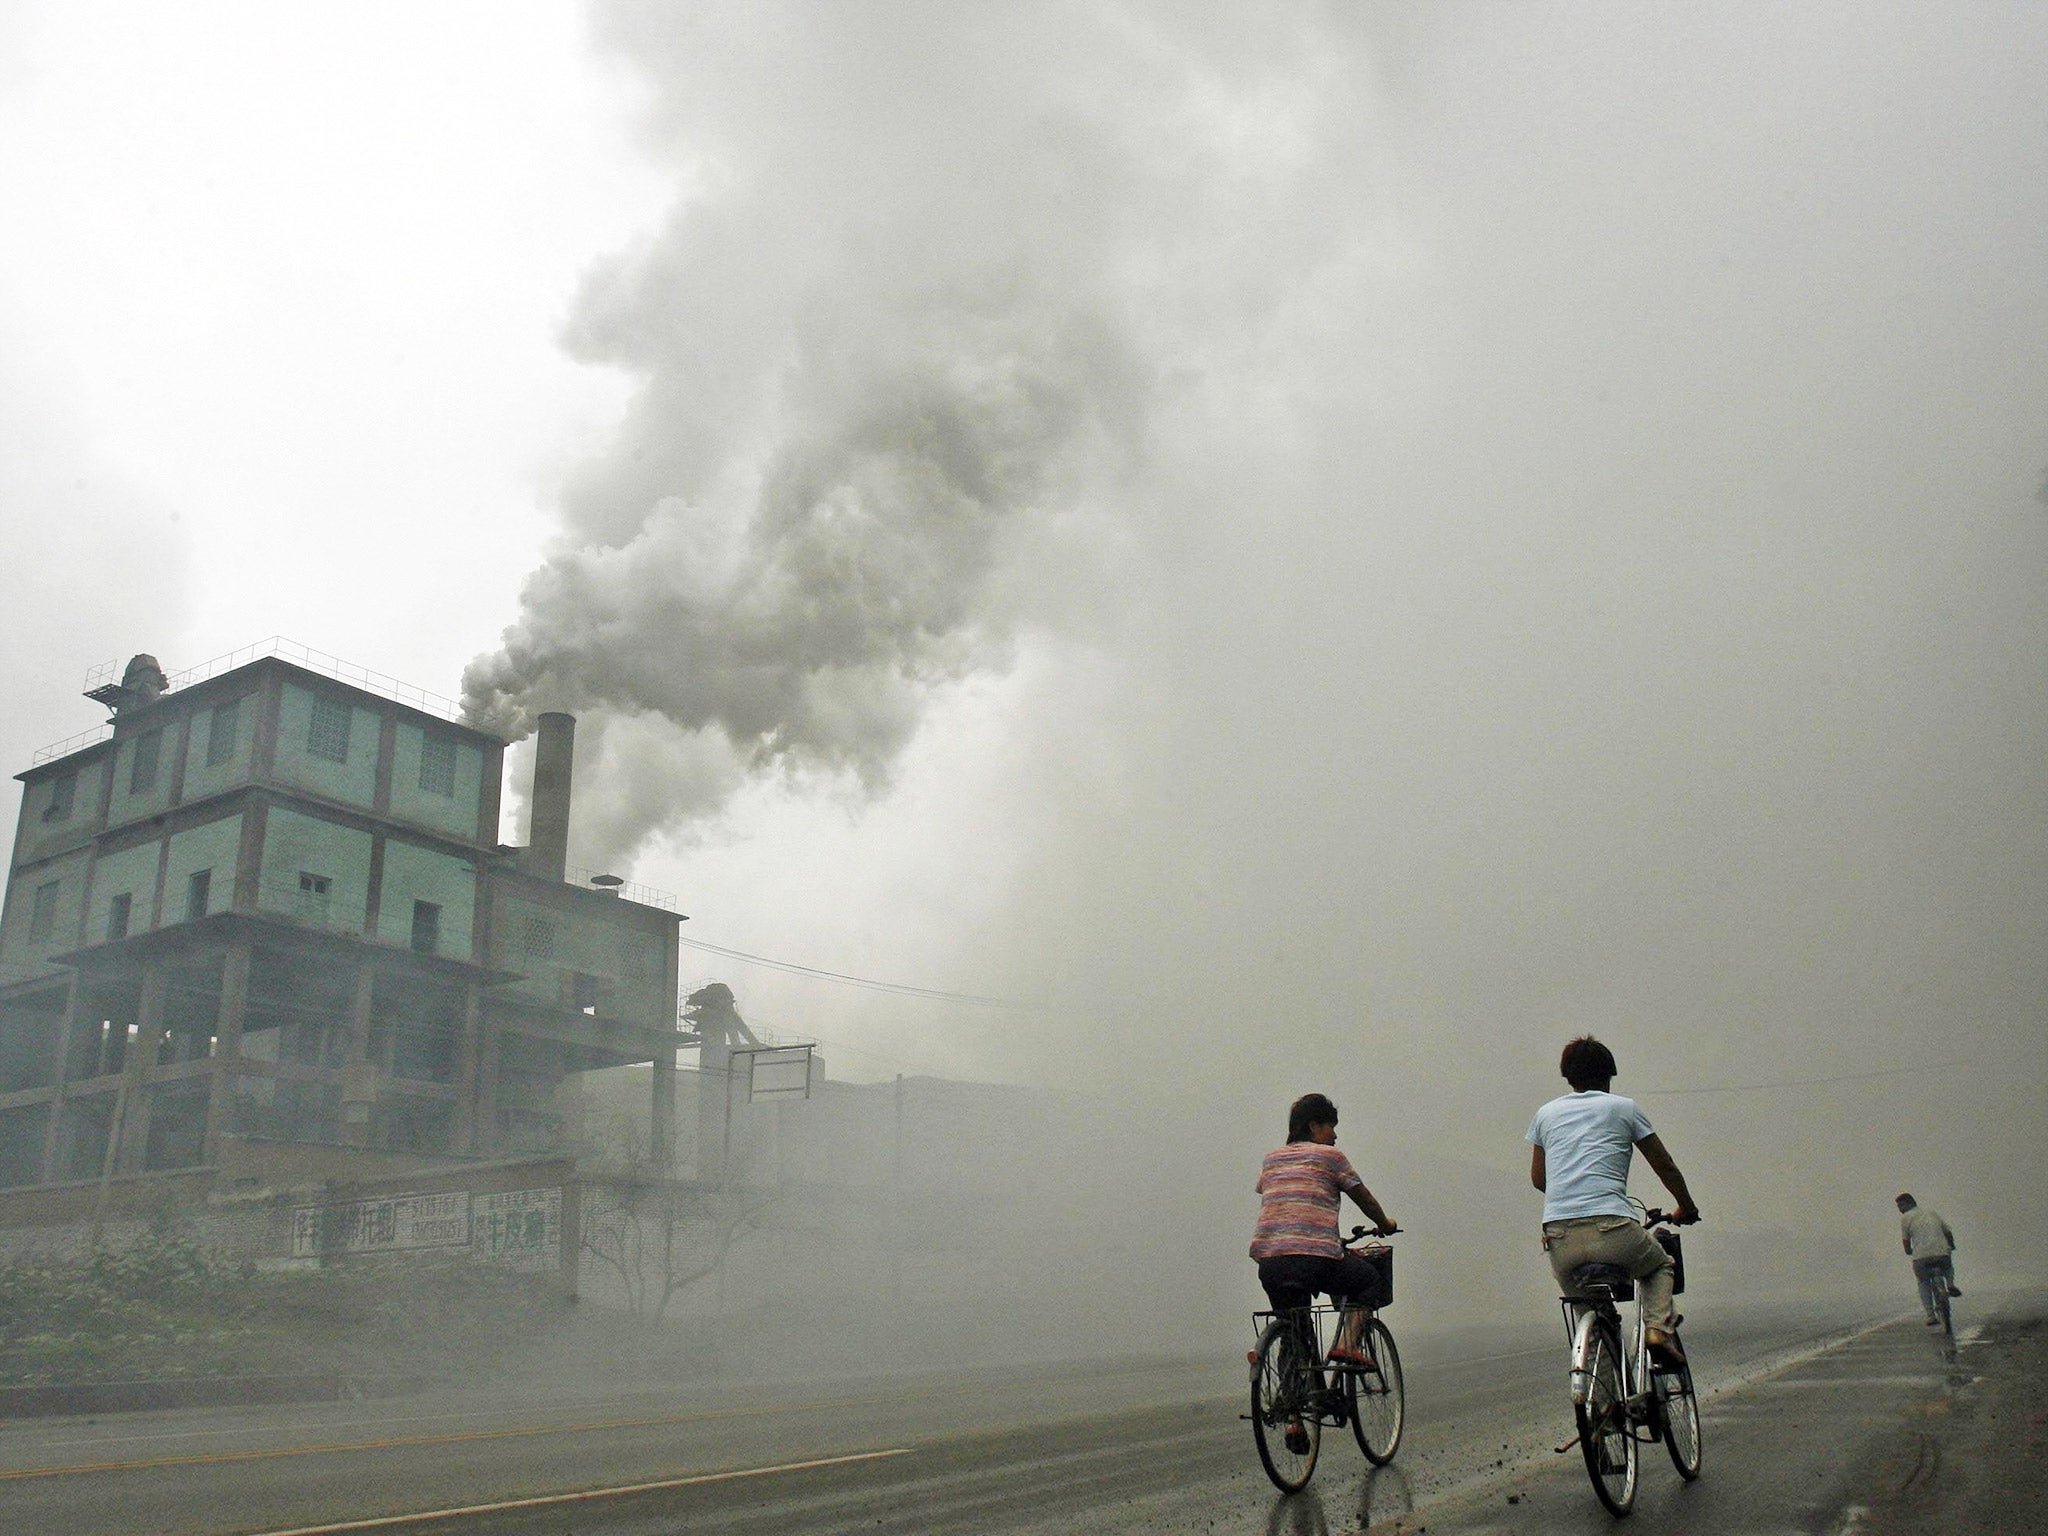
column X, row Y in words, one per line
column 887, row 351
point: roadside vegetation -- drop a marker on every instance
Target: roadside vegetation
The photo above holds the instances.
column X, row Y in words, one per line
column 162, row 1308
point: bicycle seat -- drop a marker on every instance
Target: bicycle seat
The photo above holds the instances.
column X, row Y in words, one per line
column 1612, row 1278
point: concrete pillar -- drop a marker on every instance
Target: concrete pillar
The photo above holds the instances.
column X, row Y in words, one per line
column 227, row 1046
column 358, row 1077
column 486, row 1124
column 664, row 1112
column 60, row 1051
column 469, row 1068
column 131, row 1129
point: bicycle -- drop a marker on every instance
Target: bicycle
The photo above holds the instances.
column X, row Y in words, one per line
column 1937, row 1287
column 1622, row 1398
column 1292, row 1402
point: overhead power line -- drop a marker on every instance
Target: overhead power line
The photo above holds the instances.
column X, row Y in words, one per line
column 1800, row 1082
column 900, row 988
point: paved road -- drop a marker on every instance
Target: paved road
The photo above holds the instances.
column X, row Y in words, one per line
column 1792, row 1408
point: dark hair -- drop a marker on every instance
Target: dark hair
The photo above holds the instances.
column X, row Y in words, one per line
column 1310, row 1109
column 1586, row 1063
column 1905, row 1202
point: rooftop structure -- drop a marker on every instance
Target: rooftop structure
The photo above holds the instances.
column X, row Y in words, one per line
column 267, row 906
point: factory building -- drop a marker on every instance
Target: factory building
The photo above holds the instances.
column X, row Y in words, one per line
column 266, row 916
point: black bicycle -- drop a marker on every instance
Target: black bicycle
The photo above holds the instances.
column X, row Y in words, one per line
column 1621, row 1397
column 1296, row 1394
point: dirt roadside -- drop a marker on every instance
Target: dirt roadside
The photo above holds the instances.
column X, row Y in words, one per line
column 1971, row 1459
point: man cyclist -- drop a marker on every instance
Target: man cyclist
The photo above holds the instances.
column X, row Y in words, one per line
column 1931, row 1247
column 1295, row 1240
column 1582, row 1144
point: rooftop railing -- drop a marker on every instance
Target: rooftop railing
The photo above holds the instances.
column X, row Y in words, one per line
column 646, row 895
column 379, row 683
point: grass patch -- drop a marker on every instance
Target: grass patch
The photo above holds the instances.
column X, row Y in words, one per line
column 162, row 1308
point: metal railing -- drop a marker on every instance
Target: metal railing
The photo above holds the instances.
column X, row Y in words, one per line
column 71, row 744
column 646, row 895
column 382, row 684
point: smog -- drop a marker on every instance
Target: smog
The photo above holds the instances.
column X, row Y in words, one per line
column 1158, row 558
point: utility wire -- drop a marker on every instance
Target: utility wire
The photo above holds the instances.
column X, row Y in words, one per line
column 1803, row 1082
column 901, row 989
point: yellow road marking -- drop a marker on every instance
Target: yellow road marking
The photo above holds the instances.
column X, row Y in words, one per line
column 382, row 1522
column 276, row 1453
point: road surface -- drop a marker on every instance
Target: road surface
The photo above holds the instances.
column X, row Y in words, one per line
column 1803, row 1417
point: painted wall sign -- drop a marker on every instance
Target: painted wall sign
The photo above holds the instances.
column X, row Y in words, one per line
column 393, row 1224
column 518, row 1227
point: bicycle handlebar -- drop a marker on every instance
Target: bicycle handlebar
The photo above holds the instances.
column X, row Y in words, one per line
column 1362, row 1232
column 1653, row 1217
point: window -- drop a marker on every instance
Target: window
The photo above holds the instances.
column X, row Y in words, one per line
column 42, row 917
column 539, row 939
column 327, row 734
column 142, row 766
column 426, row 927
column 220, row 732
column 313, row 890
column 583, row 991
column 197, row 891
column 437, row 766
column 117, row 915
column 63, row 795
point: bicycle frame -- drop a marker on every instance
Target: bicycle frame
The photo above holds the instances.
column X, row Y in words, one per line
column 1312, row 1324
column 1582, row 1316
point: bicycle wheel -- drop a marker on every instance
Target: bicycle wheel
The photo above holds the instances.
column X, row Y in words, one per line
column 1679, row 1410
column 1605, row 1435
column 1376, row 1400
column 1284, row 1404
column 1941, row 1306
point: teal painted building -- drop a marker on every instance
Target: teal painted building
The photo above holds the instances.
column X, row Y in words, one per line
column 269, row 907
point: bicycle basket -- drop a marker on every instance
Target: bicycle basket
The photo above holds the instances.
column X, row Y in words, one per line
column 1381, row 1258
column 1668, row 1241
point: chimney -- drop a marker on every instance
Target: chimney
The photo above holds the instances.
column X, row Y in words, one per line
column 547, row 851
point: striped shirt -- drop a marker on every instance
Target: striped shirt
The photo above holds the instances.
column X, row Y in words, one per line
column 1298, row 1189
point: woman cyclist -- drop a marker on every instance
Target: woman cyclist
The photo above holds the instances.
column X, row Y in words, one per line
column 1295, row 1241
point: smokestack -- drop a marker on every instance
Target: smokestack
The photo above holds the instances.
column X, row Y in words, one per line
column 547, row 851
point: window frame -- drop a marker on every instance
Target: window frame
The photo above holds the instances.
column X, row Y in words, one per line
column 150, row 745
column 198, row 894
column 42, row 912
column 221, row 741
column 328, row 728
column 426, row 918
column 439, row 752
column 63, row 797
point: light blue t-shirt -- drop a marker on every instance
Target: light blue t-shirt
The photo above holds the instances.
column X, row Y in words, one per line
column 1587, row 1141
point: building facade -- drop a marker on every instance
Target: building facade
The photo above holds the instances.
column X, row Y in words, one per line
column 270, row 908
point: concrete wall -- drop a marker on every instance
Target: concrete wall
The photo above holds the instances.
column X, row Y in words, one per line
column 131, row 872
column 212, row 846
column 351, row 782
column 154, row 797
column 295, row 845
column 22, row 956
column 415, row 874
column 412, row 801
column 548, row 945
column 43, row 834
column 204, row 779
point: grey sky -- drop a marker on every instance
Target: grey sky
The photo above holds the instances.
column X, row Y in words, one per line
column 1525, row 520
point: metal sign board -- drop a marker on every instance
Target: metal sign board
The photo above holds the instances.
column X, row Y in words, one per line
column 779, row 1072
